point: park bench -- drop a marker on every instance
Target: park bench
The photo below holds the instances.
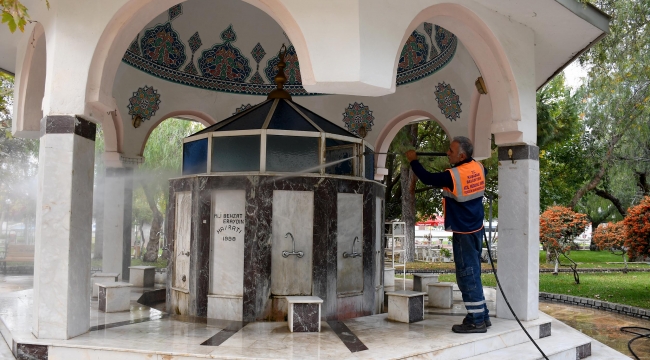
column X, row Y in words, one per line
column 17, row 254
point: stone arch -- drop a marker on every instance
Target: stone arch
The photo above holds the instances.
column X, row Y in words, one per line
column 485, row 49
column 128, row 21
column 391, row 128
column 133, row 16
column 31, row 86
column 197, row 116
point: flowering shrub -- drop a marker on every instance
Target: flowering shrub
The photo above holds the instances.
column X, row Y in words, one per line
column 637, row 228
column 558, row 226
column 610, row 236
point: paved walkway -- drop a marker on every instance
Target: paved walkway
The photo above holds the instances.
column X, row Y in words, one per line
column 601, row 325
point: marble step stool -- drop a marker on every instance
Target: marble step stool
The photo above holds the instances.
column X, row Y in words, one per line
column 102, row 278
column 421, row 280
column 142, row 276
column 406, row 306
column 441, row 295
column 389, row 276
column 304, row 313
column 114, row 297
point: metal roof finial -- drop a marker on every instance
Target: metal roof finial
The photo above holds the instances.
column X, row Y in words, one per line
column 280, row 78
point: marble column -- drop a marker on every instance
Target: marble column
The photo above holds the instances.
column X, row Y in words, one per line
column 118, row 198
column 518, row 244
column 63, row 227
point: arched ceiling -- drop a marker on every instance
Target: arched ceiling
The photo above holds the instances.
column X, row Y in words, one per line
column 231, row 46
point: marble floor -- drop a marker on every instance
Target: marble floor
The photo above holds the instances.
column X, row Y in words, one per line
column 149, row 333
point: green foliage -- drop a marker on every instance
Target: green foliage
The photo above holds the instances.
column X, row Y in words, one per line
column 563, row 168
column 557, row 114
column 616, row 99
column 15, row 15
column 428, row 201
column 163, row 156
column 18, row 164
column 431, row 137
column 628, row 289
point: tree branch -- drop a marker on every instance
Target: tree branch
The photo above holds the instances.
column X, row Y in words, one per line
column 595, row 180
column 617, row 203
column 643, row 182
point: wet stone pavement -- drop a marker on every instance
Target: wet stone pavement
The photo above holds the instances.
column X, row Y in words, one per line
column 601, row 325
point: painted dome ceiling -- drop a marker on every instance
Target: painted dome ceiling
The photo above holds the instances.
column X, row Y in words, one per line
column 233, row 47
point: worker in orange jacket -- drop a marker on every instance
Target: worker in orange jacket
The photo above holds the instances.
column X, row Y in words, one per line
column 463, row 186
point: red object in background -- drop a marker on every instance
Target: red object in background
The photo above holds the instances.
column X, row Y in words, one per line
column 438, row 221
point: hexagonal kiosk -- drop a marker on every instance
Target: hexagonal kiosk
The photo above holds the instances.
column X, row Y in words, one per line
column 275, row 201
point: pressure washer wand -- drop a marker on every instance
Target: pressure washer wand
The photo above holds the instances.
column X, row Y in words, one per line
column 418, row 153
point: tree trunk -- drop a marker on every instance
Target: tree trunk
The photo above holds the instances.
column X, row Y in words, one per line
column 142, row 235
column 156, row 225
column 408, row 211
column 407, row 182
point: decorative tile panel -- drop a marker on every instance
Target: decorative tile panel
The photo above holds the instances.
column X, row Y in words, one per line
column 258, row 53
column 448, row 102
column 161, row 45
column 175, row 11
column 195, row 42
column 224, row 61
column 414, row 52
column 357, row 115
column 144, row 102
column 224, row 68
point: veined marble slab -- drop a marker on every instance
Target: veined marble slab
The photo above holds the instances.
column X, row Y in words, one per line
column 293, row 212
column 349, row 275
column 227, row 250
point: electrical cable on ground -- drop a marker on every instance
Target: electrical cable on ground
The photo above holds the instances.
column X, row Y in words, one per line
column 627, row 329
column 489, row 251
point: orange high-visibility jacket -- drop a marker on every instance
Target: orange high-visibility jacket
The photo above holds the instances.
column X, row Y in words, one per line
column 463, row 206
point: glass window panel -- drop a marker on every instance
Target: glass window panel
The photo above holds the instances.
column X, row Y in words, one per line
column 253, row 120
column 236, row 153
column 287, row 118
column 324, row 124
column 195, row 157
column 333, row 154
column 291, row 153
column 370, row 164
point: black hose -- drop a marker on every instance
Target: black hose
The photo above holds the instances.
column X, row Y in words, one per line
column 489, row 251
column 626, row 329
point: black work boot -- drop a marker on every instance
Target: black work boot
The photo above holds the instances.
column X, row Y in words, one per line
column 488, row 323
column 466, row 328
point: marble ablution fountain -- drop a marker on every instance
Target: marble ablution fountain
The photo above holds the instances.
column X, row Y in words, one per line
column 256, row 217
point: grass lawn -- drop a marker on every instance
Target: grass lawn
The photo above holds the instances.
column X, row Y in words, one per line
column 591, row 260
column 586, row 260
column 629, row 289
